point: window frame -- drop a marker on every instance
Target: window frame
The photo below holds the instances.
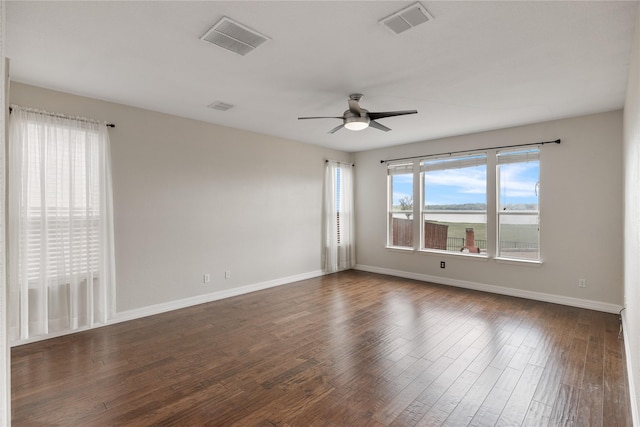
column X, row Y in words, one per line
column 526, row 156
column 451, row 162
column 400, row 168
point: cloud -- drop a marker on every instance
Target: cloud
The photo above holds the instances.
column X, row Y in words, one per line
column 518, row 180
column 468, row 180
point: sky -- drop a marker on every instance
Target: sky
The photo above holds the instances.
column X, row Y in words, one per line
column 468, row 185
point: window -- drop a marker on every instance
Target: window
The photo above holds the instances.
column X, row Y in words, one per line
column 482, row 203
column 338, row 221
column 400, row 205
column 518, row 204
column 61, row 206
column 454, row 208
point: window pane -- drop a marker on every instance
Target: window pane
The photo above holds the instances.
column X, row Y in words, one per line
column 402, row 230
column 455, row 204
column 519, row 236
column 519, row 186
column 518, row 205
column 401, row 210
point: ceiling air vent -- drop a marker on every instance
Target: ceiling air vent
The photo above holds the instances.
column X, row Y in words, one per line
column 407, row 18
column 233, row 36
column 220, row 106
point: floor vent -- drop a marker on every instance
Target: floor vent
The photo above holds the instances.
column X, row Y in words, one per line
column 220, row 106
column 407, row 18
column 233, row 36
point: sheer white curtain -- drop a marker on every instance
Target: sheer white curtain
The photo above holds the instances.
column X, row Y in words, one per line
column 338, row 218
column 61, row 254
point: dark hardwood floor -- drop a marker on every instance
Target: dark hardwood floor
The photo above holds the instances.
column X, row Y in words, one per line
column 349, row 349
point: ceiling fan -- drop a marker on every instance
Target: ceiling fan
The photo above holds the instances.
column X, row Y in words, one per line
column 357, row 118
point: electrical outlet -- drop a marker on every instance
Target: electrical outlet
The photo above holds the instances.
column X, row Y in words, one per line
column 206, row 278
column 227, row 274
column 582, row 283
column 441, row 264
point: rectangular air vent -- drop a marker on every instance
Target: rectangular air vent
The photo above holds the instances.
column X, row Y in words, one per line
column 233, row 36
column 407, row 18
column 220, row 106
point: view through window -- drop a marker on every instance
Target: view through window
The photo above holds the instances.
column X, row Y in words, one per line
column 518, row 204
column 454, row 212
column 400, row 217
column 455, row 204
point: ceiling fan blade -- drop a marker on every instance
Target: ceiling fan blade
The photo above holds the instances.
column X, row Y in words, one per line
column 304, row 118
column 336, row 129
column 382, row 115
column 354, row 107
column 377, row 125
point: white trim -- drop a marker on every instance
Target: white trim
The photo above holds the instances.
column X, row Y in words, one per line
column 182, row 303
column 400, row 248
column 519, row 261
column 520, row 293
column 215, row 296
column 439, row 252
column 631, row 384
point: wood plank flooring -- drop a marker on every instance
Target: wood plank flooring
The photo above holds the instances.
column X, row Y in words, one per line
column 348, row 349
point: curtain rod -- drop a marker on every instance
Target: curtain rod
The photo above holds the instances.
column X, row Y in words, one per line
column 557, row 141
column 48, row 113
column 340, row 163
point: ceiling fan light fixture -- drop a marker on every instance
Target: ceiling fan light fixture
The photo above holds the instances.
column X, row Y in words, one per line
column 356, row 123
column 357, row 118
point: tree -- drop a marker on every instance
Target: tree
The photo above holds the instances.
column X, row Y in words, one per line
column 406, row 204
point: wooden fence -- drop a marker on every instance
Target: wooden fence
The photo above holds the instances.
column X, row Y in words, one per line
column 435, row 235
column 402, row 232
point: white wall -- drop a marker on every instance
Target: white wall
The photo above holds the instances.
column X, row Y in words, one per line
column 581, row 218
column 632, row 218
column 193, row 198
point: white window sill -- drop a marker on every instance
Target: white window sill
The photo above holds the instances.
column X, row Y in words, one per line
column 400, row 249
column 435, row 252
column 514, row 261
column 476, row 257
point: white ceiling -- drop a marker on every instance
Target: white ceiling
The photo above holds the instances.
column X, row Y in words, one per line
column 477, row 66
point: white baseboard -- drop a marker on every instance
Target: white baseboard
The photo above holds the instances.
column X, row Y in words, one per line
column 214, row 296
column 183, row 303
column 630, row 380
column 538, row 296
